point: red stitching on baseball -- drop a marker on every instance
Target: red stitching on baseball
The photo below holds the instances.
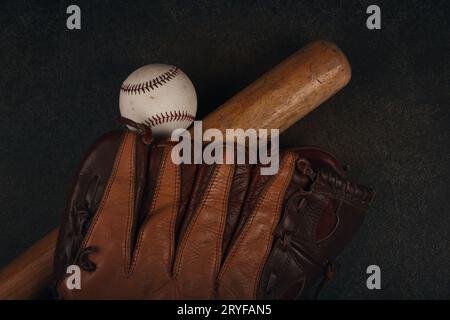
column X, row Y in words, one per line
column 168, row 117
column 159, row 81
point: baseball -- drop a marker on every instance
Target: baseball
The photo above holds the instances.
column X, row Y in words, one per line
column 160, row 96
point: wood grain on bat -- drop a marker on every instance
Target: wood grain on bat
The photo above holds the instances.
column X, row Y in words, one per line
column 286, row 93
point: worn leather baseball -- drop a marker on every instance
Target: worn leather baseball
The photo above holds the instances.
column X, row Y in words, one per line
column 160, row 96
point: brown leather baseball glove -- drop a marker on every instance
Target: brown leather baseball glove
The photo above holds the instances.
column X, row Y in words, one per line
column 141, row 227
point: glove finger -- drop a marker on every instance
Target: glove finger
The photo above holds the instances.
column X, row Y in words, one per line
column 87, row 191
column 111, row 225
column 199, row 257
column 155, row 244
column 236, row 201
column 242, row 269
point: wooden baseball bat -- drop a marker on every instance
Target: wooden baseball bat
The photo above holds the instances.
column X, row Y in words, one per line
column 276, row 100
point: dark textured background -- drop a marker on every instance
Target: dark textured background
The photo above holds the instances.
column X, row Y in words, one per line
column 59, row 92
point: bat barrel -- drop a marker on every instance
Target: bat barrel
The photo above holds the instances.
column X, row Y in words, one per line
column 286, row 93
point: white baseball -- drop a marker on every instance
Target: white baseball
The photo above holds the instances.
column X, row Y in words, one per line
column 160, row 96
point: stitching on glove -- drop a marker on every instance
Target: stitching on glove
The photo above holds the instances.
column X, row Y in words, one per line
column 336, row 226
column 127, row 254
column 222, row 222
column 290, row 161
column 179, row 258
column 173, row 218
column 107, row 190
column 236, row 246
column 150, row 212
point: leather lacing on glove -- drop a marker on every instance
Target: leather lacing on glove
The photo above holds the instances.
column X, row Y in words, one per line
column 82, row 214
column 329, row 269
column 143, row 130
column 83, row 259
column 348, row 191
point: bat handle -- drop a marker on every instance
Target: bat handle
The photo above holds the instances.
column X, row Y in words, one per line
column 28, row 276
